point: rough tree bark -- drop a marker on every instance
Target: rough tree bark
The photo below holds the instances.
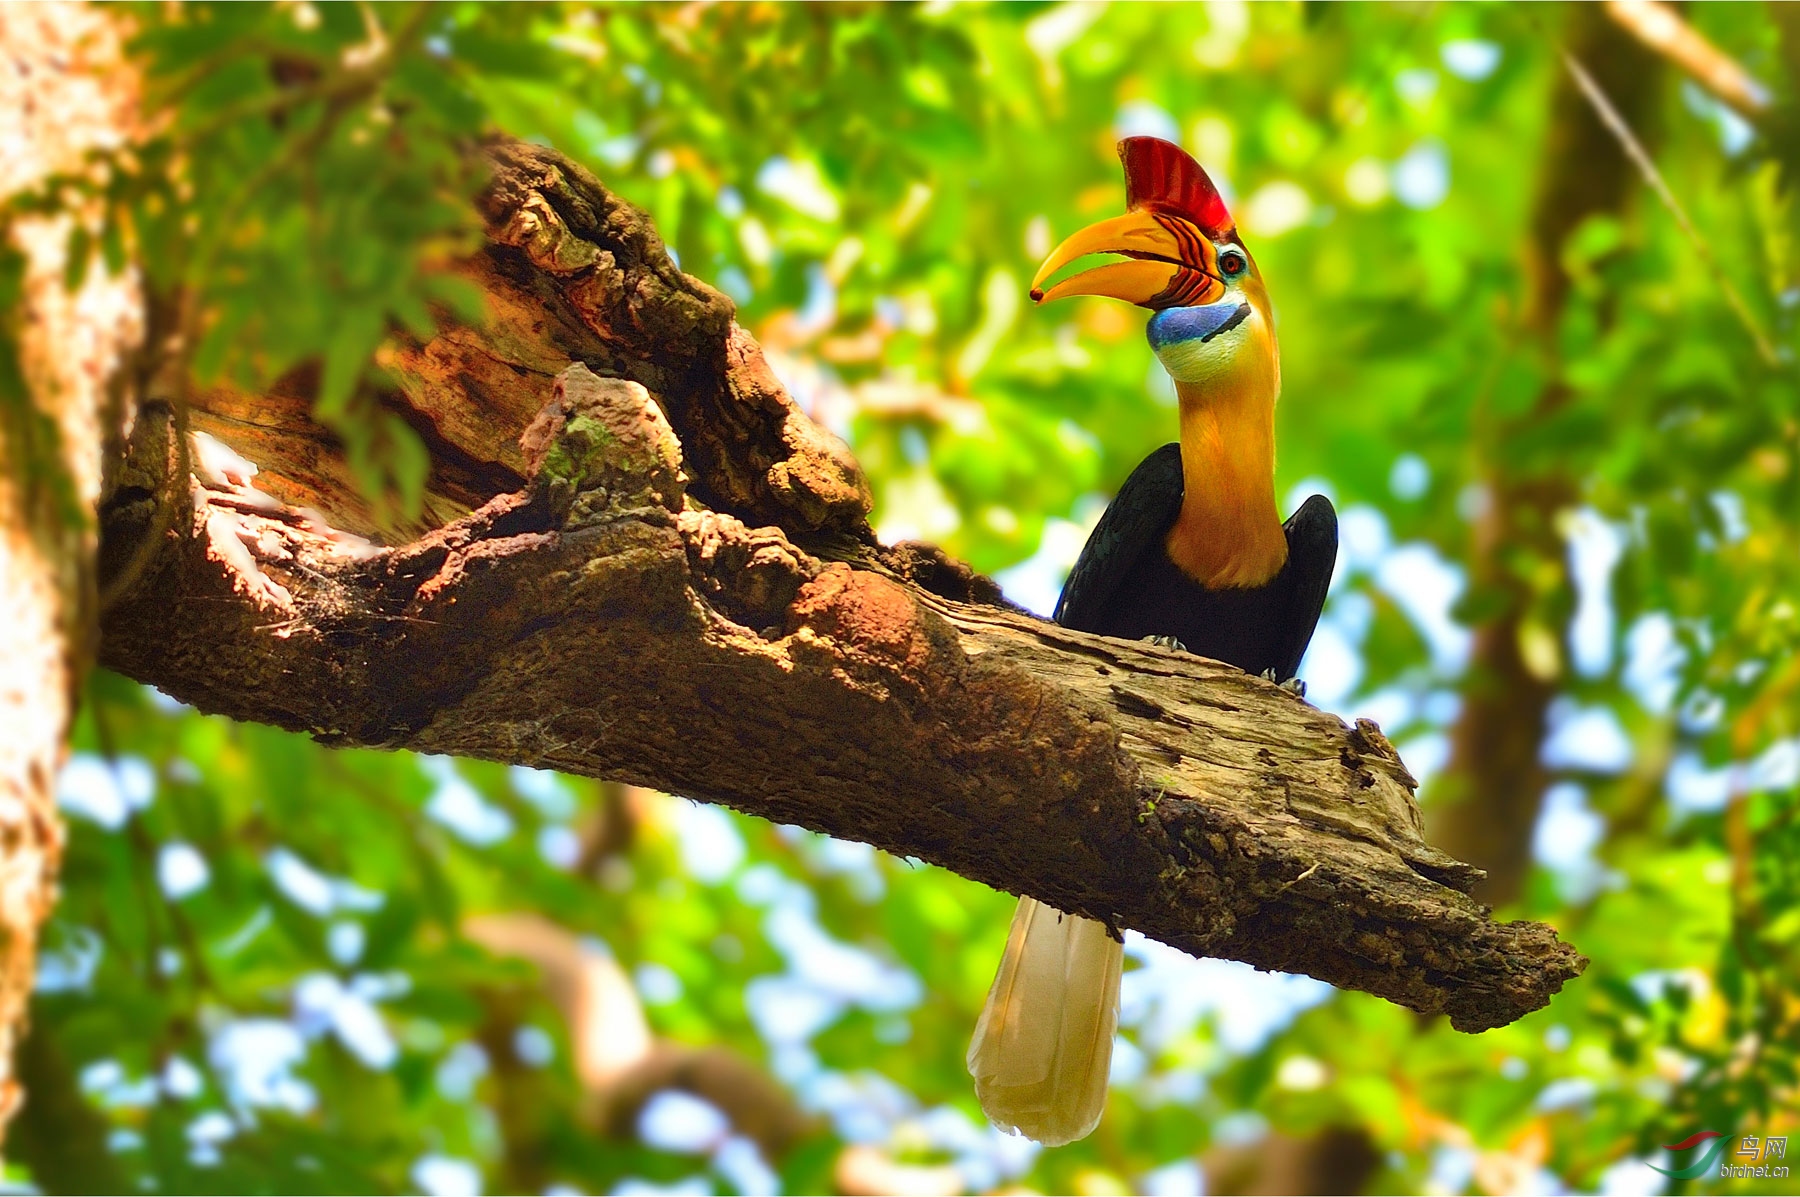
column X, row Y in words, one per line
column 64, row 90
column 657, row 569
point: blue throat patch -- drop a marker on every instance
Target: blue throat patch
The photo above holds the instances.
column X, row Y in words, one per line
column 1173, row 325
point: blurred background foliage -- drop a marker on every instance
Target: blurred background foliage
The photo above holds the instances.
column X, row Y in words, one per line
column 278, row 967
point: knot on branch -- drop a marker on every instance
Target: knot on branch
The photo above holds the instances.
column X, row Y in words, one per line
column 548, row 244
column 748, row 574
column 602, row 447
column 817, row 478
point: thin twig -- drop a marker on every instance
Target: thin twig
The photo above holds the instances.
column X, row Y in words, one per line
column 1634, row 149
column 1661, row 28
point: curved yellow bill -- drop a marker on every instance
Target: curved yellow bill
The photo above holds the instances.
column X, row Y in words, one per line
column 1171, row 263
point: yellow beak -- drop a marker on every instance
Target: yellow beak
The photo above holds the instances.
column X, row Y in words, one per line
column 1171, row 263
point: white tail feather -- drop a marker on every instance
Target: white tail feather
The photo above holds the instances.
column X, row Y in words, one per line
column 1043, row 1045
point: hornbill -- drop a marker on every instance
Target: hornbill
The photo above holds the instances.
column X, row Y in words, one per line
column 1192, row 553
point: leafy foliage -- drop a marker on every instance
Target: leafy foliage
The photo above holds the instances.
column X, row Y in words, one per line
column 875, row 186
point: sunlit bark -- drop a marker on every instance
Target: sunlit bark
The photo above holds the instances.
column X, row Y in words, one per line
column 64, row 90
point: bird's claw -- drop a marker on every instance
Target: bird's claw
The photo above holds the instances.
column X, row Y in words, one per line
column 1166, row 642
column 1292, row 685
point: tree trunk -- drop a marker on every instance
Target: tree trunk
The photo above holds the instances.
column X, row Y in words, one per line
column 65, row 90
column 1493, row 787
column 1487, row 800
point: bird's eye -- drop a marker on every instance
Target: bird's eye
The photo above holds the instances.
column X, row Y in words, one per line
column 1231, row 262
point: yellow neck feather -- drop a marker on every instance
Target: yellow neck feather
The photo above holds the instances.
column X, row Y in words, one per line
column 1229, row 531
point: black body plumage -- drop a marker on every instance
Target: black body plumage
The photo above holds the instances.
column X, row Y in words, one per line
column 1124, row 584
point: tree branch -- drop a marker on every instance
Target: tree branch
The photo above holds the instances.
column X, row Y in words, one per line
column 1660, row 27
column 681, row 592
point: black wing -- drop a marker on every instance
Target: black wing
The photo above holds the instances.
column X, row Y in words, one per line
column 1134, row 522
column 1312, row 537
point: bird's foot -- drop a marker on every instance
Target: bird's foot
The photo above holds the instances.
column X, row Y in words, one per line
column 1166, row 642
column 1293, row 685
